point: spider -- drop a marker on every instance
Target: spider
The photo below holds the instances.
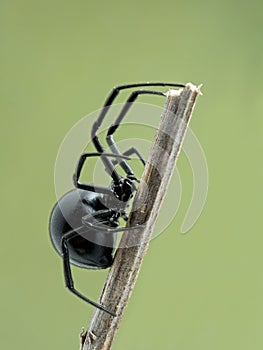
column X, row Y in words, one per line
column 84, row 222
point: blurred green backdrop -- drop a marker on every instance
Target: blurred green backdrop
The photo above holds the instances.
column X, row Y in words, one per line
column 59, row 59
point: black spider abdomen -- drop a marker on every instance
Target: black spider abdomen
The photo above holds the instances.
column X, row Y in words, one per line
column 90, row 248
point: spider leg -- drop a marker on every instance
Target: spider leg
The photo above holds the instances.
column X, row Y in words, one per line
column 114, row 93
column 88, row 187
column 68, row 274
column 100, row 226
column 110, row 140
column 112, row 96
column 129, row 152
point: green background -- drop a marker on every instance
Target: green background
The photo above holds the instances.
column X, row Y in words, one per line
column 59, row 59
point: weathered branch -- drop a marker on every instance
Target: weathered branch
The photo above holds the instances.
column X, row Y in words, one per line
column 154, row 183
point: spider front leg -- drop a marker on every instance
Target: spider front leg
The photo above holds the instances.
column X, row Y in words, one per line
column 68, row 274
column 109, row 101
column 110, row 140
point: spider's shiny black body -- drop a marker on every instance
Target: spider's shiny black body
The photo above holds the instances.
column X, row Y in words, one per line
column 84, row 222
column 90, row 248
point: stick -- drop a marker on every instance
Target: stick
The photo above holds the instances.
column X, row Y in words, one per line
column 153, row 186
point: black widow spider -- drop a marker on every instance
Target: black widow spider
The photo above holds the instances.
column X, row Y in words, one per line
column 84, row 222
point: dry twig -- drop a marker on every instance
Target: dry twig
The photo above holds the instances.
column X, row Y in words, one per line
column 154, row 183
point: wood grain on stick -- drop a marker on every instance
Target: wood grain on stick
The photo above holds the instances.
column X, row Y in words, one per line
column 154, row 184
